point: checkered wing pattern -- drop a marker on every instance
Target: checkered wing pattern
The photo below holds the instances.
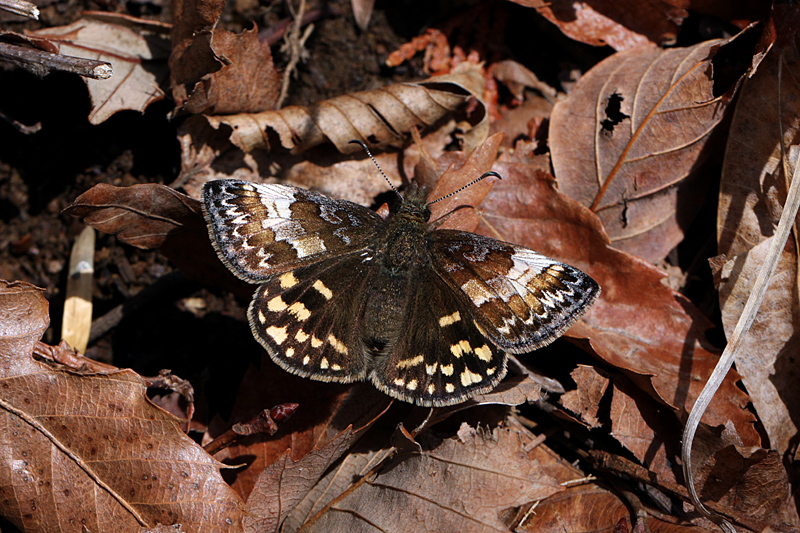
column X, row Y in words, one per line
column 260, row 230
column 521, row 300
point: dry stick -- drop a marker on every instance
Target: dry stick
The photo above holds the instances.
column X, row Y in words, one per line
column 21, row 8
column 42, row 63
column 736, row 340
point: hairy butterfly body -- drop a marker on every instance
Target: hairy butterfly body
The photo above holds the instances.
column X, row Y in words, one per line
column 426, row 315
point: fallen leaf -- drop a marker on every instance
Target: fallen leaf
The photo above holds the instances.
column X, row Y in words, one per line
column 630, row 137
column 458, row 484
column 619, row 24
column 247, row 83
column 324, row 411
column 114, row 463
column 362, row 11
column 584, row 401
column 151, row 216
column 137, row 50
column 381, row 116
column 638, row 324
column 751, row 195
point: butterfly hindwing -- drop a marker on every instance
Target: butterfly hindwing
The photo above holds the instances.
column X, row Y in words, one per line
column 260, row 230
column 441, row 357
column 523, row 299
column 305, row 319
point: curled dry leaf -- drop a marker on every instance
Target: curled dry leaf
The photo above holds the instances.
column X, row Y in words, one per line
column 628, row 141
column 380, row 116
column 619, row 24
column 752, row 192
column 91, row 449
column 638, row 325
column 153, row 216
column 458, row 484
column 137, row 50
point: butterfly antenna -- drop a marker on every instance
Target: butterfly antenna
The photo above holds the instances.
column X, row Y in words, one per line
column 485, row 175
column 364, row 146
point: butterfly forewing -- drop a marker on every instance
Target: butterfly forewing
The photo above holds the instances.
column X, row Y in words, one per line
column 522, row 299
column 440, row 358
column 306, row 319
column 260, row 230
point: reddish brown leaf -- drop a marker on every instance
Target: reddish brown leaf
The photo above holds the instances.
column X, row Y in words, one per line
column 91, row 449
column 629, row 139
column 752, row 485
column 619, row 24
column 154, row 216
column 246, row 83
column 638, row 324
column 458, row 484
column 137, row 50
column 751, row 195
column 584, row 401
column 478, row 162
column 325, row 410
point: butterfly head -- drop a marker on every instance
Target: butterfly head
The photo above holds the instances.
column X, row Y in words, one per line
column 413, row 204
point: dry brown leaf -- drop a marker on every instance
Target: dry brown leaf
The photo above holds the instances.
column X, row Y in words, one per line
column 619, row 24
column 459, row 484
column 477, row 163
column 362, row 11
column 640, row 123
column 584, row 401
column 247, row 83
column 357, row 463
column 284, row 483
column 217, row 71
column 752, row 485
column 381, row 116
column 325, row 410
column 136, row 48
column 192, row 54
column 752, row 192
column 151, row 216
column 638, row 324
column 91, row 451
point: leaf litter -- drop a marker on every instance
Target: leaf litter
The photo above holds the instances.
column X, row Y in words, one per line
column 635, row 146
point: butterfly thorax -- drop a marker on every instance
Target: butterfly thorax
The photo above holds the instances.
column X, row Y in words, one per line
column 405, row 247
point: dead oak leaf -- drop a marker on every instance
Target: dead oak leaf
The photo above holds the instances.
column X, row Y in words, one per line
column 459, row 484
column 150, row 216
column 137, row 50
column 381, row 116
column 92, row 449
column 751, row 199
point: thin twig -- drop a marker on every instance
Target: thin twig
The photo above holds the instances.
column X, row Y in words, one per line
column 295, row 46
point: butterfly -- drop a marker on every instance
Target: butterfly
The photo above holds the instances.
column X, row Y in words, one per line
column 426, row 315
